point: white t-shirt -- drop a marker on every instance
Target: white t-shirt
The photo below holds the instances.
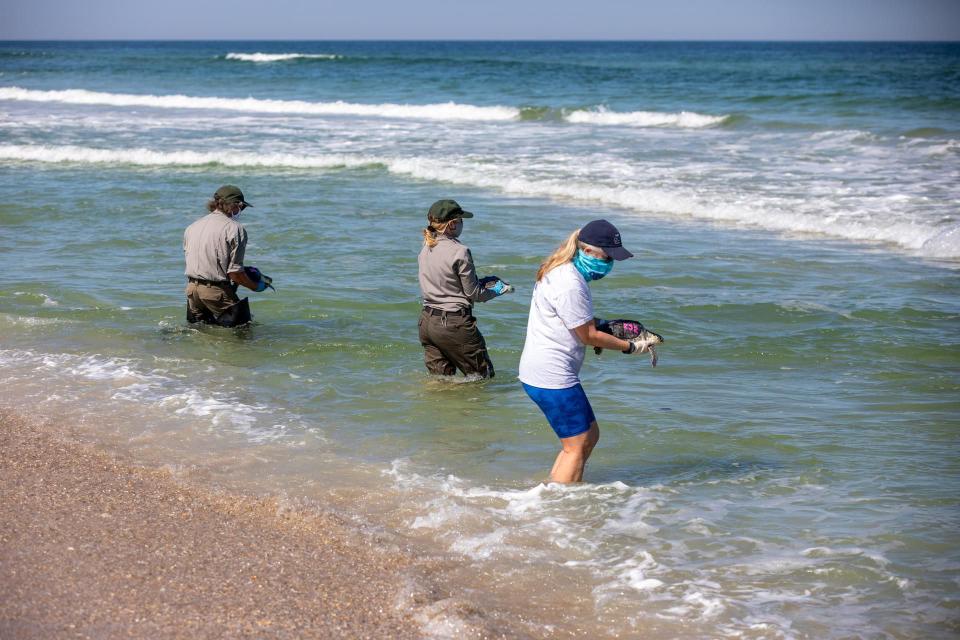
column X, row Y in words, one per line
column 552, row 353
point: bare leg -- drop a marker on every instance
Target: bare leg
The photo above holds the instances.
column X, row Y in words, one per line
column 572, row 458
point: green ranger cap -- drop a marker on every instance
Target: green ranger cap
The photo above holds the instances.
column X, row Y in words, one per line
column 443, row 210
column 230, row 194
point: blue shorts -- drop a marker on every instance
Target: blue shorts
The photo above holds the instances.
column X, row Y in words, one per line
column 568, row 411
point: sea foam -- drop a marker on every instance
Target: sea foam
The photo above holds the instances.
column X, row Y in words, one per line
column 441, row 111
column 683, row 119
column 438, row 111
column 627, row 545
column 131, row 384
column 917, row 237
column 150, row 158
column 280, row 57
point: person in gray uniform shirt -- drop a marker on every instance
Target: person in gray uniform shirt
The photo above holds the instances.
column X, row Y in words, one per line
column 213, row 248
column 449, row 284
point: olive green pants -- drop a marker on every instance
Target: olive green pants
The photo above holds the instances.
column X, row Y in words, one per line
column 207, row 302
column 451, row 342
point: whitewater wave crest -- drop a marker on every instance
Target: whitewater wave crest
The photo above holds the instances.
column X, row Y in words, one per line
column 440, row 111
column 683, row 119
column 924, row 239
column 280, row 57
column 150, row 158
column 452, row 111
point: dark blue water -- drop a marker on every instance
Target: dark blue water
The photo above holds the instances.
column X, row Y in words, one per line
column 880, row 87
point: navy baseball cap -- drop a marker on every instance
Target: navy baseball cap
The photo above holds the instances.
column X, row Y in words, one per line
column 601, row 233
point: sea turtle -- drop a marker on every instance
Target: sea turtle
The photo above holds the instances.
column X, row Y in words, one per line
column 631, row 330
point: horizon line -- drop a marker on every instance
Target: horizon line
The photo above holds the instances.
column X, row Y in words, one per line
column 666, row 40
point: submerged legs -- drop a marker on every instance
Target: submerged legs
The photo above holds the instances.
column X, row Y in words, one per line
column 572, row 458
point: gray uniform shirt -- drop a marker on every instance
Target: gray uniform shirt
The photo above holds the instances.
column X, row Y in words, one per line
column 213, row 246
column 448, row 279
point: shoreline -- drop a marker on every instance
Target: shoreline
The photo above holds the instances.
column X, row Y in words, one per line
column 93, row 545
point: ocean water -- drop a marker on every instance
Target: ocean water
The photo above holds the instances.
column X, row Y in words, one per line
column 789, row 470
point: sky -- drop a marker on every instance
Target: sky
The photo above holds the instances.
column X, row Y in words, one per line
column 481, row 19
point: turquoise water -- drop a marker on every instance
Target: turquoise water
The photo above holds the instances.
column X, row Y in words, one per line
column 790, row 468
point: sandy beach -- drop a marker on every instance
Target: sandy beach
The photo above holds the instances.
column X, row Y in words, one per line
column 92, row 546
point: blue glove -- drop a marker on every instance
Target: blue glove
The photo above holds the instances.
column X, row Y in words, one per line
column 263, row 280
column 495, row 284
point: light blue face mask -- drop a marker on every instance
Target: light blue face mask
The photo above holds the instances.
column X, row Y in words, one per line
column 591, row 268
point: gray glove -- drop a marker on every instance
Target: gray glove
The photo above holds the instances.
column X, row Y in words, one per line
column 645, row 344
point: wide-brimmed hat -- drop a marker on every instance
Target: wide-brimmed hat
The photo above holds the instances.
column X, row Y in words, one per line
column 443, row 210
column 601, row 233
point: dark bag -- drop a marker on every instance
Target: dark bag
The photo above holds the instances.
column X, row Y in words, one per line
column 235, row 315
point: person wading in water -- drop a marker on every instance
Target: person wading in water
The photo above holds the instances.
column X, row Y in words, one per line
column 559, row 327
column 213, row 248
column 449, row 284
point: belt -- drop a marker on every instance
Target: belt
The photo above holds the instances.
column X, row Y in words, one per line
column 462, row 311
column 209, row 283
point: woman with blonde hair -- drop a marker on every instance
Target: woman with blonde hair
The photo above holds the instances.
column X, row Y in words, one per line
column 449, row 284
column 560, row 325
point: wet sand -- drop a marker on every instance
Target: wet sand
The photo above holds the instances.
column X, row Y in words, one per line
column 92, row 546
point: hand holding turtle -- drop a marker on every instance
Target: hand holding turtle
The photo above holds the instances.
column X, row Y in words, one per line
column 495, row 284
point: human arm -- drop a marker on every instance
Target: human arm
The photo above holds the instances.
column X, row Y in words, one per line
column 235, row 271
column 589, row 335
column 241, row 277
column 471, row 285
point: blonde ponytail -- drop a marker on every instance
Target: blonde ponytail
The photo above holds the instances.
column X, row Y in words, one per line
column 435, row 229
column 564, row 253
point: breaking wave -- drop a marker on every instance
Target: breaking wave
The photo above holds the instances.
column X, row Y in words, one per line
column 439, row 111
column 280, row 57
column 442, row 111
column 929, row 240
column 683, row 119
column 150, row 158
